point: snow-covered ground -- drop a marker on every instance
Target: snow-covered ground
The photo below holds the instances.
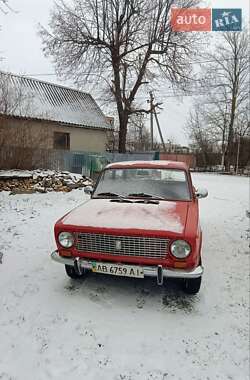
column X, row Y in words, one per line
column 123, row 329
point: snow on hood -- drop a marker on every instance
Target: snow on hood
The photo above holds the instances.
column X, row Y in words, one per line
column 102, row 213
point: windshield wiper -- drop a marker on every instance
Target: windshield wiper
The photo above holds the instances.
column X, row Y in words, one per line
column 147, row 201
column 145, row 195
column 118, row 197
column 121, row 197
column 121, row 200
column 109, row 194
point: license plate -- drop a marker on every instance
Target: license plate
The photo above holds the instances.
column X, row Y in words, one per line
column 118, row 270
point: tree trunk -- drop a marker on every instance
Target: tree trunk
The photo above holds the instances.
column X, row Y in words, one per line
column 231, row 134
column 232, row 115
column 123, row 118
column 223, row 149
column 122, row 113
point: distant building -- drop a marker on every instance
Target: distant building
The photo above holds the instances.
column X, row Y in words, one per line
column 49, row 116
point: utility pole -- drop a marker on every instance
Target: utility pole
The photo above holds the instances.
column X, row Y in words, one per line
column 152, row 115
column 151, row 119
column 141, row 147
column 159, row 130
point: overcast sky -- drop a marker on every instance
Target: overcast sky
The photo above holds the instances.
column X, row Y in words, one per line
column 21, row 48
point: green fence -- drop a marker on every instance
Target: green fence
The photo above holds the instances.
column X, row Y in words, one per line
column 92, row 163
column 85, row 163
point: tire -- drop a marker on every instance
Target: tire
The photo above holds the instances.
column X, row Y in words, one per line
column 192, row 286
column 71, row 272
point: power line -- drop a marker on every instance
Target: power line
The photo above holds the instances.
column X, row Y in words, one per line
column 221, row 60
column 173, row 95
column 192, row 92
column 54, row 74
column 98, row 73
column 166, row 96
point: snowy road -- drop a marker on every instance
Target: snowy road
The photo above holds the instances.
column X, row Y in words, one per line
column 122, row 329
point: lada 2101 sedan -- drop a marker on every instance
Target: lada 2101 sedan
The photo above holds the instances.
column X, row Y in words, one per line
column 142, row 220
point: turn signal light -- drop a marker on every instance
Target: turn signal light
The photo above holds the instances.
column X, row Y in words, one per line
column 179, row 264
column 65, row 253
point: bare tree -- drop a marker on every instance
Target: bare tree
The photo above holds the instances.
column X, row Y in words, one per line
column 138, row 136
column 202, row 137
column 4, row 6
column 14, row 100
column 18, row 141
column 3, row 9
column 129, row 42
column 224, row 109
column 10, row 96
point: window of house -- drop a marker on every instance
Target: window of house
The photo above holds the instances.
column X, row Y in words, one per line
column 61, row 140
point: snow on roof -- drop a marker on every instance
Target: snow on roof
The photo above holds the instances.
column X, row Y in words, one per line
column 32, row 98
column 148, row 164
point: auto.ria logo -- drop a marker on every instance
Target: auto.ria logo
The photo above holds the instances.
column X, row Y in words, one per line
column 225, row 20
column 206, row 19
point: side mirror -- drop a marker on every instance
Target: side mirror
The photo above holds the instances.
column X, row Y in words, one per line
column 201, row 193
column 88, row 190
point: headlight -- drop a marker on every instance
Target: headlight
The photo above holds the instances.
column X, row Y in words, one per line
column 66, row 239
column 180, row 249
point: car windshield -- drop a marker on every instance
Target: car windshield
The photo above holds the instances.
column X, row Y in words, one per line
column 154, row 183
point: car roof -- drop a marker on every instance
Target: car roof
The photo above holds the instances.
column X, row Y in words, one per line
column 160, row 164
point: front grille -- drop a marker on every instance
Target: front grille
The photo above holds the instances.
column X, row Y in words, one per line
column 122, row 245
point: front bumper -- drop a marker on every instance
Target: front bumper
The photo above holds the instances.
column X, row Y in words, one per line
column 152, row 271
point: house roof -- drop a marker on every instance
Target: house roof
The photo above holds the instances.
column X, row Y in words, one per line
column 32, row 98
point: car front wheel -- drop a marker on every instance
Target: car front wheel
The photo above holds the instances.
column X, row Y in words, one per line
column 72, row 273
column 192, row 286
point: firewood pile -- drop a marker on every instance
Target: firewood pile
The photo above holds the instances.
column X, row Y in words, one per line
column 41, row 181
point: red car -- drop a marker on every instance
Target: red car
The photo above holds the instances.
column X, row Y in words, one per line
column 142, row 220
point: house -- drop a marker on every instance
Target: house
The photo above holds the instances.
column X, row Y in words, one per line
column 44, row 115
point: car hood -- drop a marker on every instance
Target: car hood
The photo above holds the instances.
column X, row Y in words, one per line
column 165, row 216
